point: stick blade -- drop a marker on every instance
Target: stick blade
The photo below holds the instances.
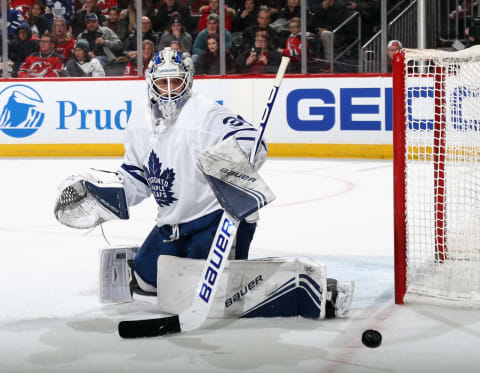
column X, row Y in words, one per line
column 149, row 327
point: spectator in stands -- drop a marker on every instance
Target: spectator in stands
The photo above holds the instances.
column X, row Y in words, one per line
column 118, row 25
column 78, row 20
column 246, row 16
column 392, row 47
column 38, row 23
column 122, row 4
column 314, row 5
column 106, row 5
column 63, row 42
column 148, row 51
column 472, row 33
column 59, row 9
column 260, row 58
column 213, row 8
column 209, row 63
column 81, row 64
column 370, row 13
column 177, row 46
column 197, row 4
column 293, row 46
column 464, row 9
column 14, row 19
column 200, row 44
column 273, row 7
column 160, row 20
column 324, row 21
column 103, row 42
column 44, row 63
column 292, row 9
column 281, row 24
column 23, row 6
column 263, row 24
column 234, row 4
column 130, row 14
column 21, row 47
column 176, row 31
column 130, row 43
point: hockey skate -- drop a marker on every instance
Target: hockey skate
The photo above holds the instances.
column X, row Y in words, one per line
column 339, row 298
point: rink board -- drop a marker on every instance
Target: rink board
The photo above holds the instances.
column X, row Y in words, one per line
column 314, row 116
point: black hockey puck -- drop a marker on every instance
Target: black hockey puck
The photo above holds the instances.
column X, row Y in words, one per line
column 371, row 338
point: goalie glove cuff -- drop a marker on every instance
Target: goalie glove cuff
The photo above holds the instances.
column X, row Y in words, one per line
column 85, row 201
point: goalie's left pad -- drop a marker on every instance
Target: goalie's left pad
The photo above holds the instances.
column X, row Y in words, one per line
column 119, row 283
column 115, row 274
column 269, row 287
column 236, row 184
column 87, row 200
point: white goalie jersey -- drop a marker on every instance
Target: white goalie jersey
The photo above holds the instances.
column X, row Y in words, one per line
column 163, row 162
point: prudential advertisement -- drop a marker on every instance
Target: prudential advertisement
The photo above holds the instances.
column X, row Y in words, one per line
column 69, row 112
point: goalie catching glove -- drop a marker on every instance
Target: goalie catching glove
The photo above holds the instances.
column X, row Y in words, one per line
column 85, row 201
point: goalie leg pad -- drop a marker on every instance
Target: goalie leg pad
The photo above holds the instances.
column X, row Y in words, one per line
column 115, row 274
column 271, row 287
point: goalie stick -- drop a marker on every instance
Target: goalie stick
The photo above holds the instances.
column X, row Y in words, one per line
column 195, row 316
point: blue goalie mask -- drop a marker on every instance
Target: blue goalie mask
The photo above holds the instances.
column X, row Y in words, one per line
column 169, row 77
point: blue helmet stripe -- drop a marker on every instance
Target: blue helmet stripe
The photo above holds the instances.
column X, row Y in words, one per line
column 178, row 58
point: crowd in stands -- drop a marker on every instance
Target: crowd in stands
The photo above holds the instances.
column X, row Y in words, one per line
column 90, row 38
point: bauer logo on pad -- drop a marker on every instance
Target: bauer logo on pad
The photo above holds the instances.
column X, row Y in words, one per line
column 21, row 113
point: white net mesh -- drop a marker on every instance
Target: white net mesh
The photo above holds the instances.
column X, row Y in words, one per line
column 442, row 103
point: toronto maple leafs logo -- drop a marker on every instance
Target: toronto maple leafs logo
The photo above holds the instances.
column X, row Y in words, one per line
column 161, row 182
column 58, row 9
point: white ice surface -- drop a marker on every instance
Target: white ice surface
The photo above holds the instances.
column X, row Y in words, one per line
column 339, row 211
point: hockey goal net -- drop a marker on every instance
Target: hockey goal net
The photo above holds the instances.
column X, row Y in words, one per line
column 437, row 176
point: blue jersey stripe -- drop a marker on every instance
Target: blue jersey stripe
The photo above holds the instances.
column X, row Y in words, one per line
column 229, row 134
column 135, row 172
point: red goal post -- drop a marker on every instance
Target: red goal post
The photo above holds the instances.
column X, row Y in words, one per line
column 436, row 139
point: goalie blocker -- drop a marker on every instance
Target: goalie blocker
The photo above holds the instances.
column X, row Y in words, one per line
column 236, row 184
column 269, row 287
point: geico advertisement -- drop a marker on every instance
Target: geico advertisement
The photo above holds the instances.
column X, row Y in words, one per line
column 332, row 110
column 307, row 110
column 459, row 105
